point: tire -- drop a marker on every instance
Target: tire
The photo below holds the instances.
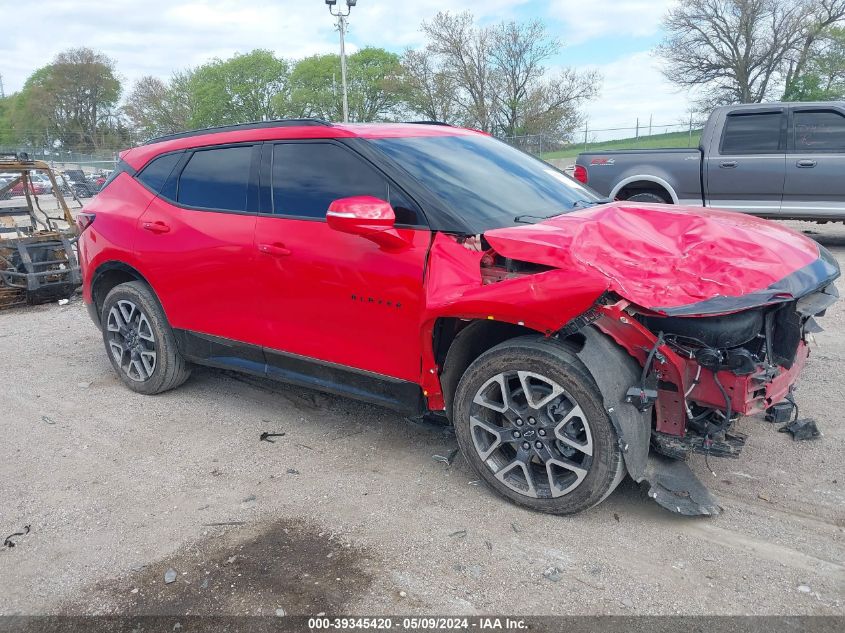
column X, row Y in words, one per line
column 139, row 341
column 648, row 196
column 580, row 462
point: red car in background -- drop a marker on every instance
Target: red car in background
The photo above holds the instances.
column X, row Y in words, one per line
column 569, row 340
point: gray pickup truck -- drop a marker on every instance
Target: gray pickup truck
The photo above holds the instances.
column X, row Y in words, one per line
column 776, row 160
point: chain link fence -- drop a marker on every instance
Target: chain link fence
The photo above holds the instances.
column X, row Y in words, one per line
column 641, row 135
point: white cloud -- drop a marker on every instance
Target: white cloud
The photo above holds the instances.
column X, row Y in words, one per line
column 159, row 36
column 587, row 19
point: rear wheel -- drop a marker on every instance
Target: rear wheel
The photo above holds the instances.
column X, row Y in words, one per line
column 529, row 420
column 139, row 341
column 648, row 196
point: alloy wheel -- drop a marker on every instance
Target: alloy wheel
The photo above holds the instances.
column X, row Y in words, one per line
column 531, row 434
column 131, row 341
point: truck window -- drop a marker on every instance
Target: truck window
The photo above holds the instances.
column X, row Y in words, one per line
column 820, row 131
column 758, row 133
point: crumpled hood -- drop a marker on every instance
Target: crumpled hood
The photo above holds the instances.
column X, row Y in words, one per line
column 675, row 260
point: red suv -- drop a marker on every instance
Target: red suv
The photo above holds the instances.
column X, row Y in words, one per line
column 432, row 269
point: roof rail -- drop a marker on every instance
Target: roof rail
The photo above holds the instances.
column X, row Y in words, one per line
column 255, row 125
column 429, row 123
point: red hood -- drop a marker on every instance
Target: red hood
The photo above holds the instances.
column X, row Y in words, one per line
column 669, row 258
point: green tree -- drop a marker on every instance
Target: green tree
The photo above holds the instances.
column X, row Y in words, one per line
column 237, row 90
column 73, row 100
column 155, row 107
column 373, row 86
column 823, row 74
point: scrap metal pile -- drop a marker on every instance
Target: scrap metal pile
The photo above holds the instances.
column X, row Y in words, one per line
column 37, row 234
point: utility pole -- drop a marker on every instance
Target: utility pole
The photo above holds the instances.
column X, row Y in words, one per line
column 341, row 27
column 2, row 90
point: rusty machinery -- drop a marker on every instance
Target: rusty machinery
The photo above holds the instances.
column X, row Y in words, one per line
column 37, row 234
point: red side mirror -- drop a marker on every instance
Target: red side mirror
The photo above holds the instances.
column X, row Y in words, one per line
column 368, row 217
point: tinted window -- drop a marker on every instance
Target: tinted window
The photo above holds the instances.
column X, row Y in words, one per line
column 752, row 133
column 307, row 177
column 488, row 183
column 819, row 131
column 155, row 174
column 216, row 179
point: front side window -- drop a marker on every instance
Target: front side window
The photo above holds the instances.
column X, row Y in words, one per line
column 753, row 134
column 308, row 177
column 216, row 179
column 822, row 131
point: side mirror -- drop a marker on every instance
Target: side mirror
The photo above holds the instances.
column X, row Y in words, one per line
column 369, row 217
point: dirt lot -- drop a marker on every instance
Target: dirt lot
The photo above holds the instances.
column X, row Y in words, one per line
column 349, row 512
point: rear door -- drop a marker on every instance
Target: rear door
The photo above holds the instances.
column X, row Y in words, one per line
column 196, row 241
column 815, row 165
column 333, row 296
column 746, row 164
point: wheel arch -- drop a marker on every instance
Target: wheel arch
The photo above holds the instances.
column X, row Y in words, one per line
column 458, row 342
column 645, row 182
column 109, row 275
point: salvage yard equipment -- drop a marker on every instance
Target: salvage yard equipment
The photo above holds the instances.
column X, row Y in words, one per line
column 37, row 236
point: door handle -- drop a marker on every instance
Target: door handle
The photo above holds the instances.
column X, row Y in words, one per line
column 156, row 227
column 277, row 250
column 806, row 162
column 727, row 164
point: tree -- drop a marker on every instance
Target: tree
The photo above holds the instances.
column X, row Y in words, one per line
column 464, row 53
column 527, row 102
column 821, row 16
column 155, row 108
column 495, row 77
column 74, row 99
column 741, row 50
column 822, row 76
column 428, row 91
column 372, row 79
column 238, row 90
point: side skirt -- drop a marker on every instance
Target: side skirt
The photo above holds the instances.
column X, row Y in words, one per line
column 213, row 351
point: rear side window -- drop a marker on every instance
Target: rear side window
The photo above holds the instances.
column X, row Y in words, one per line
column 119, row 169
column 216, row 179
column 155, row 174
column 822, row 131
column 753, row 134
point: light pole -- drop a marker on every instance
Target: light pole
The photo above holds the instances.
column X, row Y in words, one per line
column 341, row 27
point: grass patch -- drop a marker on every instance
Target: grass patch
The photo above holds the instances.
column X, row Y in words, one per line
column 655, row 141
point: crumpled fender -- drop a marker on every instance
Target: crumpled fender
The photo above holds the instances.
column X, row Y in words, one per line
column 544, row 302
column 615, row 371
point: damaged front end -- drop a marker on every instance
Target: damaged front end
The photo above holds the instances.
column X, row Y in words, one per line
column 698, row 375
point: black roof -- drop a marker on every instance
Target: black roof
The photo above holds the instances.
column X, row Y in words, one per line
column 255, row 125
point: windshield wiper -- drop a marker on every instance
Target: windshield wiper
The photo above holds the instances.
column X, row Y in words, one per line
column 590, row 203
column 523, row 219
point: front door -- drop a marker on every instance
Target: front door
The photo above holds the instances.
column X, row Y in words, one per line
column 745, row 166
column 815, row 165
column 332, row 296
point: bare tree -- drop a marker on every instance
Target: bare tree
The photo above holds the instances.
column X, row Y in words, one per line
column 428, row 92
column 464, row 52
column 735, row 49
column 526, row 101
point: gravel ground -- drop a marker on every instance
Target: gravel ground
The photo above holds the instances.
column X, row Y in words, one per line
column 349, row 512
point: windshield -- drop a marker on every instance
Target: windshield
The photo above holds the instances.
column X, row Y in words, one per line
column 490, row 184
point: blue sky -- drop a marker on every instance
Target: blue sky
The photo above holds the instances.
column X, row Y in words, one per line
column 156, row 37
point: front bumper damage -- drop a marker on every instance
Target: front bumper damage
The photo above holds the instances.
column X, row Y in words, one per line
column 683, row 403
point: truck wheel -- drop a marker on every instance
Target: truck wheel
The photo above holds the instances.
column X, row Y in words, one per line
column 529, row 420
column 139, row 341
column 648, row 196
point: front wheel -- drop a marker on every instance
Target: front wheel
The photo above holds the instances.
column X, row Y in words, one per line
column 139, row 341
column 529, row 420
